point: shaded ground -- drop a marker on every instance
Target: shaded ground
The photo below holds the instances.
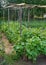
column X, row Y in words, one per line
column 40, row 61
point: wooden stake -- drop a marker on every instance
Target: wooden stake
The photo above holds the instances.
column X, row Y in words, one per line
column 8, row 15
column 20, row 19
column 28, row 15
column 3, row 14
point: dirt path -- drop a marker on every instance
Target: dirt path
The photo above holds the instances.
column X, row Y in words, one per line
column 8, row 48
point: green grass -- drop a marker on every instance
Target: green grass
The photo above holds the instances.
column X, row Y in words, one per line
column 35, row 23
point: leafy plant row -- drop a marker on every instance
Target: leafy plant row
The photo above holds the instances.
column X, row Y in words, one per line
column 31, row 43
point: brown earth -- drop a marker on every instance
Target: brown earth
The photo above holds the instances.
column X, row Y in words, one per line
column 8, row 48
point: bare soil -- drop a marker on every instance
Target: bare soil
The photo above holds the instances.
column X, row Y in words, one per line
column 7, row 46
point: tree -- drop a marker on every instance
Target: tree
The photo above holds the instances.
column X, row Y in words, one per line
column 4, row 3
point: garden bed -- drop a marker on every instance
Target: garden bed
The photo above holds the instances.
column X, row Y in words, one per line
column 27, row 47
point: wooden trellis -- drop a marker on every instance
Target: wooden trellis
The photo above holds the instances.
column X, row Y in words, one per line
column 20, row 8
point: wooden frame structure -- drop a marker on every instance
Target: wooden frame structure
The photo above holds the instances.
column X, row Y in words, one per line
column 19, row 7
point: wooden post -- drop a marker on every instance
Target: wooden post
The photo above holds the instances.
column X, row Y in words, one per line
column 3, row 14
column 15, row 14
column 8, row 15
column 42, row 14
column 23, row 15
column 18, row 15
column 28, row 14
column 33, row 14
column 20, row 19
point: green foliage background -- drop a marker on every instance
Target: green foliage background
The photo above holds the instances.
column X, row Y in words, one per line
column 29, row 1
